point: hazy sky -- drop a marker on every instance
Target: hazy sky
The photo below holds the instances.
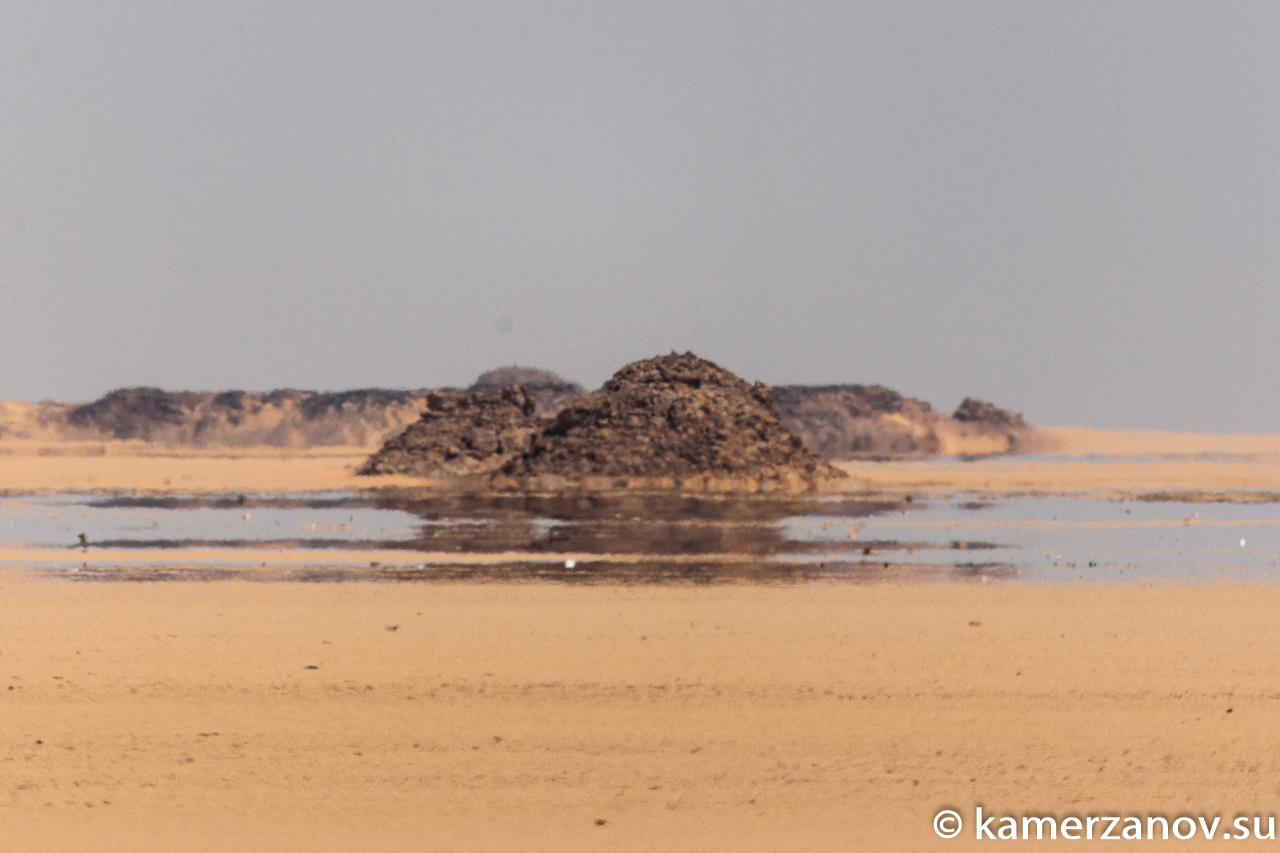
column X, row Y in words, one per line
column 1072, row 209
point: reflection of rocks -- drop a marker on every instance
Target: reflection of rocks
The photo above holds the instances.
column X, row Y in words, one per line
column 605, row 537
column 634, row 505
column 584, row 572
column 577, row 537
column 461, row 433
column 626, row 523
column 676, row 418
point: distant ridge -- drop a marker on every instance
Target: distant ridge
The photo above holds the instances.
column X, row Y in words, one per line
column 286, row 418
column 549, row 390
column 848, row 422
column 841, row 422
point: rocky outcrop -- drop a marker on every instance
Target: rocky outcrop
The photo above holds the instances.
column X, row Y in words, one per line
column 847, row 422
column 460, row 434
column 983, row 414
column 676, row 418
column 551, row 392
column 238, row 418
column 696, row 399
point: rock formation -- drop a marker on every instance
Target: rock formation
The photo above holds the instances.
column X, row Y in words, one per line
column 238, row 418
column 846, row 422
column 551, row 392
column 461, row 433
column 676, row 418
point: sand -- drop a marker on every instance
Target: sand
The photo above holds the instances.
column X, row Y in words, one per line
column 518, row 716
column 1169, row 461
column 1082, row 440
column 141, row 468
column 1106, row 462
column 503, row 717
column 1118, row 478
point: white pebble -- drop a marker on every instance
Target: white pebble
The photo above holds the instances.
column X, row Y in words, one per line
column 569, row 564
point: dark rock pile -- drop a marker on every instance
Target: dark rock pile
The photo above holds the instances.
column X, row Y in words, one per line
column 980, row 412
column 461, row 433
column 286, row 418
column 679, row 419
column 551, row 392
column 672, row 418
column 139, row 413
column 858, row 421
column 846, row 422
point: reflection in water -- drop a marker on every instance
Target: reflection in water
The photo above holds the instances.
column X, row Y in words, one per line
column 1108, row 541
column 616, row 538
column 654, row 524
column 582, row 573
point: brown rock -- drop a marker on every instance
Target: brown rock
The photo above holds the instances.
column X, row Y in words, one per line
column 551, row 392
column 974, row 411
column 846, row 422
column 858, row 421
column 461, row 433
column 286, row 418
column 676, row 418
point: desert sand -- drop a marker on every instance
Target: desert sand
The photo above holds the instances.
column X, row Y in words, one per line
column 501, row 717
column 1109, row 462
column 542, row 716
column 1077, row 459
column 31, row 467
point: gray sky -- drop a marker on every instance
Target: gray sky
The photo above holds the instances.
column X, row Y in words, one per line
column 1068, row 208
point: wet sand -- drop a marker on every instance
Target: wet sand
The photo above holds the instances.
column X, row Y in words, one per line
column 518, row 716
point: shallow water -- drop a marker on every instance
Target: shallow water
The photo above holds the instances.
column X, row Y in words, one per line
column 314, row 518
column 1064, row 539
column 639, row 538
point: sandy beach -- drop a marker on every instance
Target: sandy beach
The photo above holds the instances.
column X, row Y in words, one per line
column 543, row 716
